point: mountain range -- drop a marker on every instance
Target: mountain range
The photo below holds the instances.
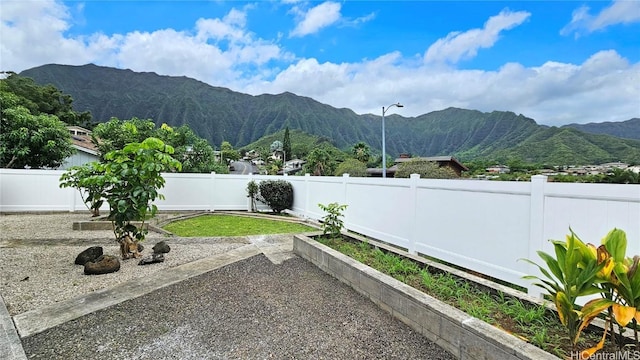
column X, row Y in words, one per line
column 219, row 114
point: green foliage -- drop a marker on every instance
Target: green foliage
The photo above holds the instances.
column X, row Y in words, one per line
column 40, row 100
column 253, row 190
column 115, row 133
column 575, row 271
column 332, row 223
column 286, row 144
column 426, row 169
column 36, row 141
column 194, row 152
column 361, row 152
column 320, row 162
column 129, row 180
column 227, row 153
column 277, row 194
column 83, row 178
column 352, row 167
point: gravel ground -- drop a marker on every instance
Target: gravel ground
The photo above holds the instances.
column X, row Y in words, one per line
column 251, row 309
column 37, row 254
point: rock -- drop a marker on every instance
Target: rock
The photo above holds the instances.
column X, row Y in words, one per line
column 90, row 254
column 105, row 264
column 161, row 248
column 152, row 259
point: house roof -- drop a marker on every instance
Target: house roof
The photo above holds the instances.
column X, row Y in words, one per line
column 81, row 139
column 435, row 159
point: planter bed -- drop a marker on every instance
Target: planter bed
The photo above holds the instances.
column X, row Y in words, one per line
column 455, row 331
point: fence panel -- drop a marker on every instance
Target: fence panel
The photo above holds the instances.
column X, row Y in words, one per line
column 480, row 225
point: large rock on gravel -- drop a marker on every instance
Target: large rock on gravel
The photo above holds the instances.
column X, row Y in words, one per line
column 90, row 254
column 105, row 264
column 161, row 248
column 152, row 259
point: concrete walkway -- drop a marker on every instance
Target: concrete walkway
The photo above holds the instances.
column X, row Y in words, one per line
column 276, row 248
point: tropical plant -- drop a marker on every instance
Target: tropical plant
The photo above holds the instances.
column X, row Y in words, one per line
column 571, row 274
column 277, row 194
column 332, row 223
column 361, row 152
column 319, row 162
column 81, row 178
column 621, row 282
column 129, row 180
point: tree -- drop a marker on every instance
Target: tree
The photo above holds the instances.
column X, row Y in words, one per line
column 426, row 169
column 129, row 180
column 36, row 141
column 227, row 153
column 116, row 133
column 195, row 153
column 286, row 145
column 44, row 100
column 319, row 162
column 361, row 152
column 352, row 167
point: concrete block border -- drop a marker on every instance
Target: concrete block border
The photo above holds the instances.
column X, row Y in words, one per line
column 455, row 331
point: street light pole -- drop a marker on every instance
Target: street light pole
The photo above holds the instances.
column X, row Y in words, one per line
column 384, row 155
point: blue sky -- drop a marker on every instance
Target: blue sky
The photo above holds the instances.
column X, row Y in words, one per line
column 557, row 62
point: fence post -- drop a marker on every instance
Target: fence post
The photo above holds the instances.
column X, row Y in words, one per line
column 307, row 177
column 412, row 206
column 212, row 191
column 536, row 228
column 249, row 200
column 345, row 179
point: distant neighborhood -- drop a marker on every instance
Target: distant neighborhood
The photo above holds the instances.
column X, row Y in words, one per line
column 87, row 152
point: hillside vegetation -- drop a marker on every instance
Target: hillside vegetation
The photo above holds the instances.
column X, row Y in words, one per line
column 219, row 114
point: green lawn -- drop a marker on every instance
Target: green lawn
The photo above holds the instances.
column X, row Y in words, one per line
column 229, row 225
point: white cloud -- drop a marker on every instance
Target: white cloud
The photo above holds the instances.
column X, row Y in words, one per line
column 463, row 45
column 317, row 18
column 32, row 34
column 603, row 88
column 218, row 51
column 620, row 12
column 223, row 52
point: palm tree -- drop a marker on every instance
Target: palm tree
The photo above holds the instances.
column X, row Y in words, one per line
column 361, row 152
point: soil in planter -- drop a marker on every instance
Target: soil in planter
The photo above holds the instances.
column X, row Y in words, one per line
column 533, row 323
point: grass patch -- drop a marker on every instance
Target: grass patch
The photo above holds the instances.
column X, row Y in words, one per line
column 230, row 225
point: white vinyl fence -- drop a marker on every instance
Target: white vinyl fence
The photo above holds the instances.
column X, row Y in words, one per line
column 484, row 226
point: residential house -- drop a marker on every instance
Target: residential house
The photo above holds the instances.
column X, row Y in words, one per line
column 86, row 151
column 442, row 161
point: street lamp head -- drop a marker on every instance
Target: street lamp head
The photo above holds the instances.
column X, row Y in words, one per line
column 399, row 105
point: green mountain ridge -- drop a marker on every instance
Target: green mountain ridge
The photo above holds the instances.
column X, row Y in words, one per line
column 219, row 114
column 629, row 129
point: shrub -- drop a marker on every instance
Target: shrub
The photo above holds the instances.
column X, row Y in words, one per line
column 277, row 194
column 332, row 222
